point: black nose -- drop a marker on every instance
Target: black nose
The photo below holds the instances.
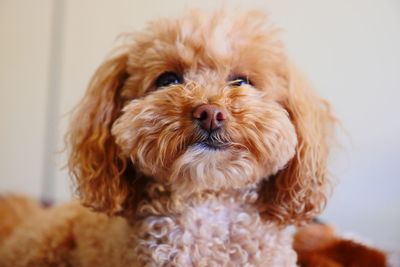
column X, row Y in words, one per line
column 210, row 117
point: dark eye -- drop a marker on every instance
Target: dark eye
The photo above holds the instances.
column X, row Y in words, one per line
column 167, row 79
column 240, row 80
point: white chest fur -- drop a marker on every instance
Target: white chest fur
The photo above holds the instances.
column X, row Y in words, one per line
column 215, row 232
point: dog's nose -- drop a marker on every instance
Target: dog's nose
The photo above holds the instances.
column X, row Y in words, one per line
column 210, row 117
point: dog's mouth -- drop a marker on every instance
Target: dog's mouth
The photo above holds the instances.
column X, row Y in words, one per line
column 210, row 145
column 211, row 141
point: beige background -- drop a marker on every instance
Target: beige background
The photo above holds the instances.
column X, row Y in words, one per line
column 348, row 48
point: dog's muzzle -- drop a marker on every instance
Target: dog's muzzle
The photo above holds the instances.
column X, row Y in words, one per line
column 210, row 119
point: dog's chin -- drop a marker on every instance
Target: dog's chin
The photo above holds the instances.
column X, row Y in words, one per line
column 212, row 166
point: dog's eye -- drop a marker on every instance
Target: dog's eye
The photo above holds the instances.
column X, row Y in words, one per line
column 167, row 79
column 240, row 80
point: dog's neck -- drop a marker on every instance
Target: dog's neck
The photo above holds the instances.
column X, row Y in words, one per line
column 163, row 200
column 204, row 227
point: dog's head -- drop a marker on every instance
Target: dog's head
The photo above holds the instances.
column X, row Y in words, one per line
column 203, row 102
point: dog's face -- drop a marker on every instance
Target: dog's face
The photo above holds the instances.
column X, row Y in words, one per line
column 202, row 103
column 204, row 109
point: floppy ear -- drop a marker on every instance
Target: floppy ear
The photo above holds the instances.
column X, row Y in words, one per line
column 97, row 166
column 299, row 191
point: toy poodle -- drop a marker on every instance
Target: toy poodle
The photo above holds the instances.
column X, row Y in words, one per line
column 197, row 143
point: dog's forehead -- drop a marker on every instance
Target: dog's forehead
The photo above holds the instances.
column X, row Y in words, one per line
column 216, row 37
column 198, row 38
column 195, row 42
column 198, row 44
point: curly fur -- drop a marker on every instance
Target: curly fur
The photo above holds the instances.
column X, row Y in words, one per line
column 134, row 152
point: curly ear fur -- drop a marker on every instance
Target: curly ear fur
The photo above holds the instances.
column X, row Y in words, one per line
column 95, row 161
column 298, row 192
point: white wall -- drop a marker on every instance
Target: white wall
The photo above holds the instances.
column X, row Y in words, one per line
column 348, row 48
column 24, row 58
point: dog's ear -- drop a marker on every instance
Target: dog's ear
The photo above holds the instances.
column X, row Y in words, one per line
column 299, row 191
column 96, row 164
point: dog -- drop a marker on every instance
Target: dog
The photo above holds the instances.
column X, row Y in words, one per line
column 196, row 144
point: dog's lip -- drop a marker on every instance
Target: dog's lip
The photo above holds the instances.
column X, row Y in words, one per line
column 210, row 141
column 212, row 145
